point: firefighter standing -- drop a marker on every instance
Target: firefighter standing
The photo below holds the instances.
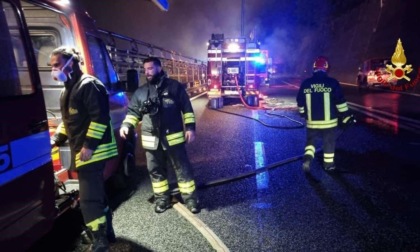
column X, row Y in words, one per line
column 86, row 125
column 321, row 102
column 163, row 106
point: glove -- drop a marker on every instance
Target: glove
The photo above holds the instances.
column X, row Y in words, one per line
column 348, row 121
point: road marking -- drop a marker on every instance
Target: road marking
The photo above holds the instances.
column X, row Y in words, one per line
column 211, row 237
column 259, row 154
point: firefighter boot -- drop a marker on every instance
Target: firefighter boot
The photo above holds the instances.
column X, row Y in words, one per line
column 192, row 205
column 306, row 166
column 162, row 204
column 110, row 234
column 100, row 241
column 329, row 167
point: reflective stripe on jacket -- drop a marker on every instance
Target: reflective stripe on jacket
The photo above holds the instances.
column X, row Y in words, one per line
column 86, row 121
column 175, row 111
column 321, row 100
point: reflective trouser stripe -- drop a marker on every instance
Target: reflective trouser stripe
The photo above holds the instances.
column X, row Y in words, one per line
column 187, row 187
column 160, row 186
column 328, row 157
column 310, row 150
column 94, row 225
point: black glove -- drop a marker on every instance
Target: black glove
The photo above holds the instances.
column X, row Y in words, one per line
column 347, row 121
column 303, row 115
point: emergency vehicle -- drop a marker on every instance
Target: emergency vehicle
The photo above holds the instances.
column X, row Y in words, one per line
column 128, row 53
column 29, row 111
column 27, row 195
column 236, row 67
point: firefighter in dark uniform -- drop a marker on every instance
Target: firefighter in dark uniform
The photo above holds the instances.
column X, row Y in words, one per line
column 164, row 108
column 321, row 102
column 86, row 124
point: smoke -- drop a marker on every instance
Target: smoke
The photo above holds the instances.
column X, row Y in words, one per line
column 188, row 24
column 278, row 45
column 185, row 28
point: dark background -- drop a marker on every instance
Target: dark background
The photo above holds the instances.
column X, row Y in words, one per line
column 294, row 32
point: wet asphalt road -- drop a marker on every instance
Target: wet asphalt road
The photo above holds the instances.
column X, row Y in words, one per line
column 370, row 204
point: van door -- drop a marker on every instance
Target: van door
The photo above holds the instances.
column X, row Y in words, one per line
column 26, row 176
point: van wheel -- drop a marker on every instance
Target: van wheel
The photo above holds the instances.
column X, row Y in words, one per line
column 129, row 164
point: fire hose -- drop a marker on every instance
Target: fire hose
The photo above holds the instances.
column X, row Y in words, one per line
column 299, row 126
column 265, row 168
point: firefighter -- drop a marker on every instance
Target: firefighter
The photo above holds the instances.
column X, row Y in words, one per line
column 86, row 125
column 163, row 106
column 321, row 102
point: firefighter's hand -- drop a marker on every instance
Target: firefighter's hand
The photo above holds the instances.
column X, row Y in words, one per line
column 124, row 132
column 348, row 121
column 85, row 154
column 189, row 136
column 53, row 144
column 302, row 115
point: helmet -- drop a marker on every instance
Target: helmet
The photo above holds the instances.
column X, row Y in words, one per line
column 321, row 64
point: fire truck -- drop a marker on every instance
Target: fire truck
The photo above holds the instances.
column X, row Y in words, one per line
column 236, row 67
column 128, row 53
column 36, row 185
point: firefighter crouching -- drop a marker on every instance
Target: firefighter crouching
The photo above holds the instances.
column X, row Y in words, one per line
column 86, row 125
column 321, row 102
column 163, row 106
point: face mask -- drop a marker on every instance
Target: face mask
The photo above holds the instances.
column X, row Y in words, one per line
column 58, row 74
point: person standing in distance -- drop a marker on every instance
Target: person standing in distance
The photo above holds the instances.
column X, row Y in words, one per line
column 86, row 124
column 163, row 106
column 321, row 102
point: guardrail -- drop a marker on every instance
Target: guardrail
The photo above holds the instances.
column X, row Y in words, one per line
column 397, row 121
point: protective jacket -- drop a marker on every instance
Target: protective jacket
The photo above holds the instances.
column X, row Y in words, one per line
column 164, row 118
column 86, row 120
column 321, row 101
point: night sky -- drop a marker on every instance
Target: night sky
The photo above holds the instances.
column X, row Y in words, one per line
column 294, row 32
column 188, row 24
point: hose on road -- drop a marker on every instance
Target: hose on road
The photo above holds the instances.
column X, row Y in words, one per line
column 260, row 170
